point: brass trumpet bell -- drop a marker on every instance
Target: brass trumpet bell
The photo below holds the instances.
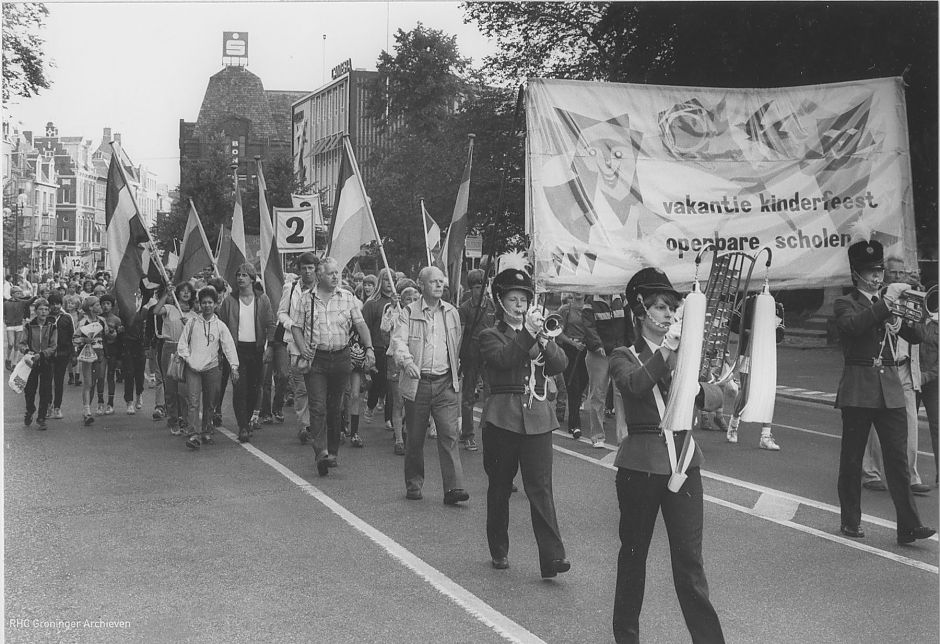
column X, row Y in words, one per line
column 915, row 306
column 552, row 326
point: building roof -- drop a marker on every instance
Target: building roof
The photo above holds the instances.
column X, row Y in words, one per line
column 281, row 102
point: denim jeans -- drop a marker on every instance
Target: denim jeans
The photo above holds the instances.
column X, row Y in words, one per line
column 175, row 392
column 246, row 393
column 435, row 398
column 325, row 384
column 277, row 371
column 598, row 379
column 203, row 389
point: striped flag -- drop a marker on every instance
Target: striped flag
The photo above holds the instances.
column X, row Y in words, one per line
column 270, row 259
column 432, row 236
column 353, row 224
column 233, row 250
column 125, row 231
column 452, row 254
column 194, row 251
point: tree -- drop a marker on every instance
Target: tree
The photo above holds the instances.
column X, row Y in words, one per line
column 24, row 66
column 428, row 101
column 736, row 44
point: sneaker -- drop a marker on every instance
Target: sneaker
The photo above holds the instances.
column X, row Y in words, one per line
column 56, row 413
column 355, row 440
column 609, row 413
column 342, row 437
column 130, row 409
column 720, row 422
column 41, row 423
column 768, row 442
column 304, row 435
column 267, row 420
column 399, row 448
column 88, row 420
column 432, row 432
column 71, row 377
column 139, row 404
column 217, row 420
column 175, row 429
column 28, row 419
column 598, row 443
column 388, row 426
column 254, row 423
column 323, row 465
column 575, row 433
column 732, row 435
column 471, row 445
column 331, row 460
column 100, row 410
column 279, row 417
column 109, row 410
column 158, row 413
column 370, row 413
column 193, row 442
column 207, row 439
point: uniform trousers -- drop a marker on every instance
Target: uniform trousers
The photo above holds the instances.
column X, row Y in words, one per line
column 891, row 426
column 929, row 396
column 435, row 397
column 504, row 453
column 641, row 496
column 873, row 460
column 472, row 371
column 575, row 382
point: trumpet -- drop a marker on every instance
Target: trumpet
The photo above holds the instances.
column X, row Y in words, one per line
column 552, row 326
column 915, row 306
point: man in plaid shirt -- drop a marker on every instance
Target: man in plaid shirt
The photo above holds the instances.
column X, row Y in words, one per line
column 320, row 330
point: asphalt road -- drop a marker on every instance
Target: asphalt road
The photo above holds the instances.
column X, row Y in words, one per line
column 120, row 523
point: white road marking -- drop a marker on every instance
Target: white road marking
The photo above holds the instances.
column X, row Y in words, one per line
column 828, row 435
column 771, row 506
column 504, row 626
column 914, row 563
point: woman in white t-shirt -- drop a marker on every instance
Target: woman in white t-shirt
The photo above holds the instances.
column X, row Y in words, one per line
column 250, row 319
column 174, row 319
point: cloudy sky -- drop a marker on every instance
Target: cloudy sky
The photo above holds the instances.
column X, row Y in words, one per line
column 139, row 68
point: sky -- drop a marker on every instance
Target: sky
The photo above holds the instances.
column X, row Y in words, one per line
column 139, row 68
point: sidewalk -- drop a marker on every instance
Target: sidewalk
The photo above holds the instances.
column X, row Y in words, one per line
column 811, row 374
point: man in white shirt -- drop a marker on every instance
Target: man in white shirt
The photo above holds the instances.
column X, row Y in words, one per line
column 288, row 311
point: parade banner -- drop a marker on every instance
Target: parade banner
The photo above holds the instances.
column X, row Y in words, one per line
column 294, row 229
column 622, row 176
column 78, row 264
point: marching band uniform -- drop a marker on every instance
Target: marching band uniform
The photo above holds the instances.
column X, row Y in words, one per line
column 870, row 391
column 642, row 476
column 517, row 431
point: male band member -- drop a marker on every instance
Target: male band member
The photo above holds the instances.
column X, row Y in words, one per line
column 643, row 373
column 518, row 420
column 870, row 392
column 909, row 370
column 321, row 334
column 426, row 345
column 476, row 314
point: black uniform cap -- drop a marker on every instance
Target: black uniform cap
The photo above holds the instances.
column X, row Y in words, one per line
column 866, row 255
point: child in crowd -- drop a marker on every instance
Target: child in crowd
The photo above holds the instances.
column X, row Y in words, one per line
column 89, row 343
column 40, row 342
column 112, row 352
column 407, row 294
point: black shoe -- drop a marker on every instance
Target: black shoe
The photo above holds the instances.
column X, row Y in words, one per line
column 88, row 420
column 217, row 420
column 575, row 433
column 28, row 419
column 877, row 485
column 909, row 536
column 554, row 567
column 455, row 496
column 243, row 435
column 500, row 563
column 356, row 440
column 331, row 461
column 853, row 531
column 193, row 442
column 41, row 423
column 920, row 489
column 323, row 466
column 414, row 495
column 303, row 435
column 279, row 417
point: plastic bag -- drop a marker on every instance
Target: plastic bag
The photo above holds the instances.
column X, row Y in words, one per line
column 21, row 373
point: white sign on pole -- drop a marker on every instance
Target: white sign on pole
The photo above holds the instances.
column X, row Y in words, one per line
column 294, row 229
column 474, row 246
column 76, row 264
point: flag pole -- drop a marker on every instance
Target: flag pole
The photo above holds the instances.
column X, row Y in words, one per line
column 424, row 227
column 205, row 240
column 153, row 246
column 375, row 228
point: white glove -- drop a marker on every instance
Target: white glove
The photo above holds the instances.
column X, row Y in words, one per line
column 894, row 290
column 671, row 341
column 534, row 321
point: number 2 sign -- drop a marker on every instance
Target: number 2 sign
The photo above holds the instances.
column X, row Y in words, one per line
column 293, row 229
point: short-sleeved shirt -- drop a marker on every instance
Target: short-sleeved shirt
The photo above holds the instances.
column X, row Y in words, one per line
column 327, row 323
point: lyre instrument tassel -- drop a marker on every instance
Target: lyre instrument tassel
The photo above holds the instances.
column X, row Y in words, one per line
column 762, row 380
column 680, row 408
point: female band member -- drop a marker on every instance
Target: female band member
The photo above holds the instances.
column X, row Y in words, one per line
column 518, row 420
column 643, row 374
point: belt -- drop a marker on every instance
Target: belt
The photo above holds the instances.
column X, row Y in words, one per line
column 870, row 362
column 321, row 350
column 649, row 429
column 506, row 389
column 434, row 376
